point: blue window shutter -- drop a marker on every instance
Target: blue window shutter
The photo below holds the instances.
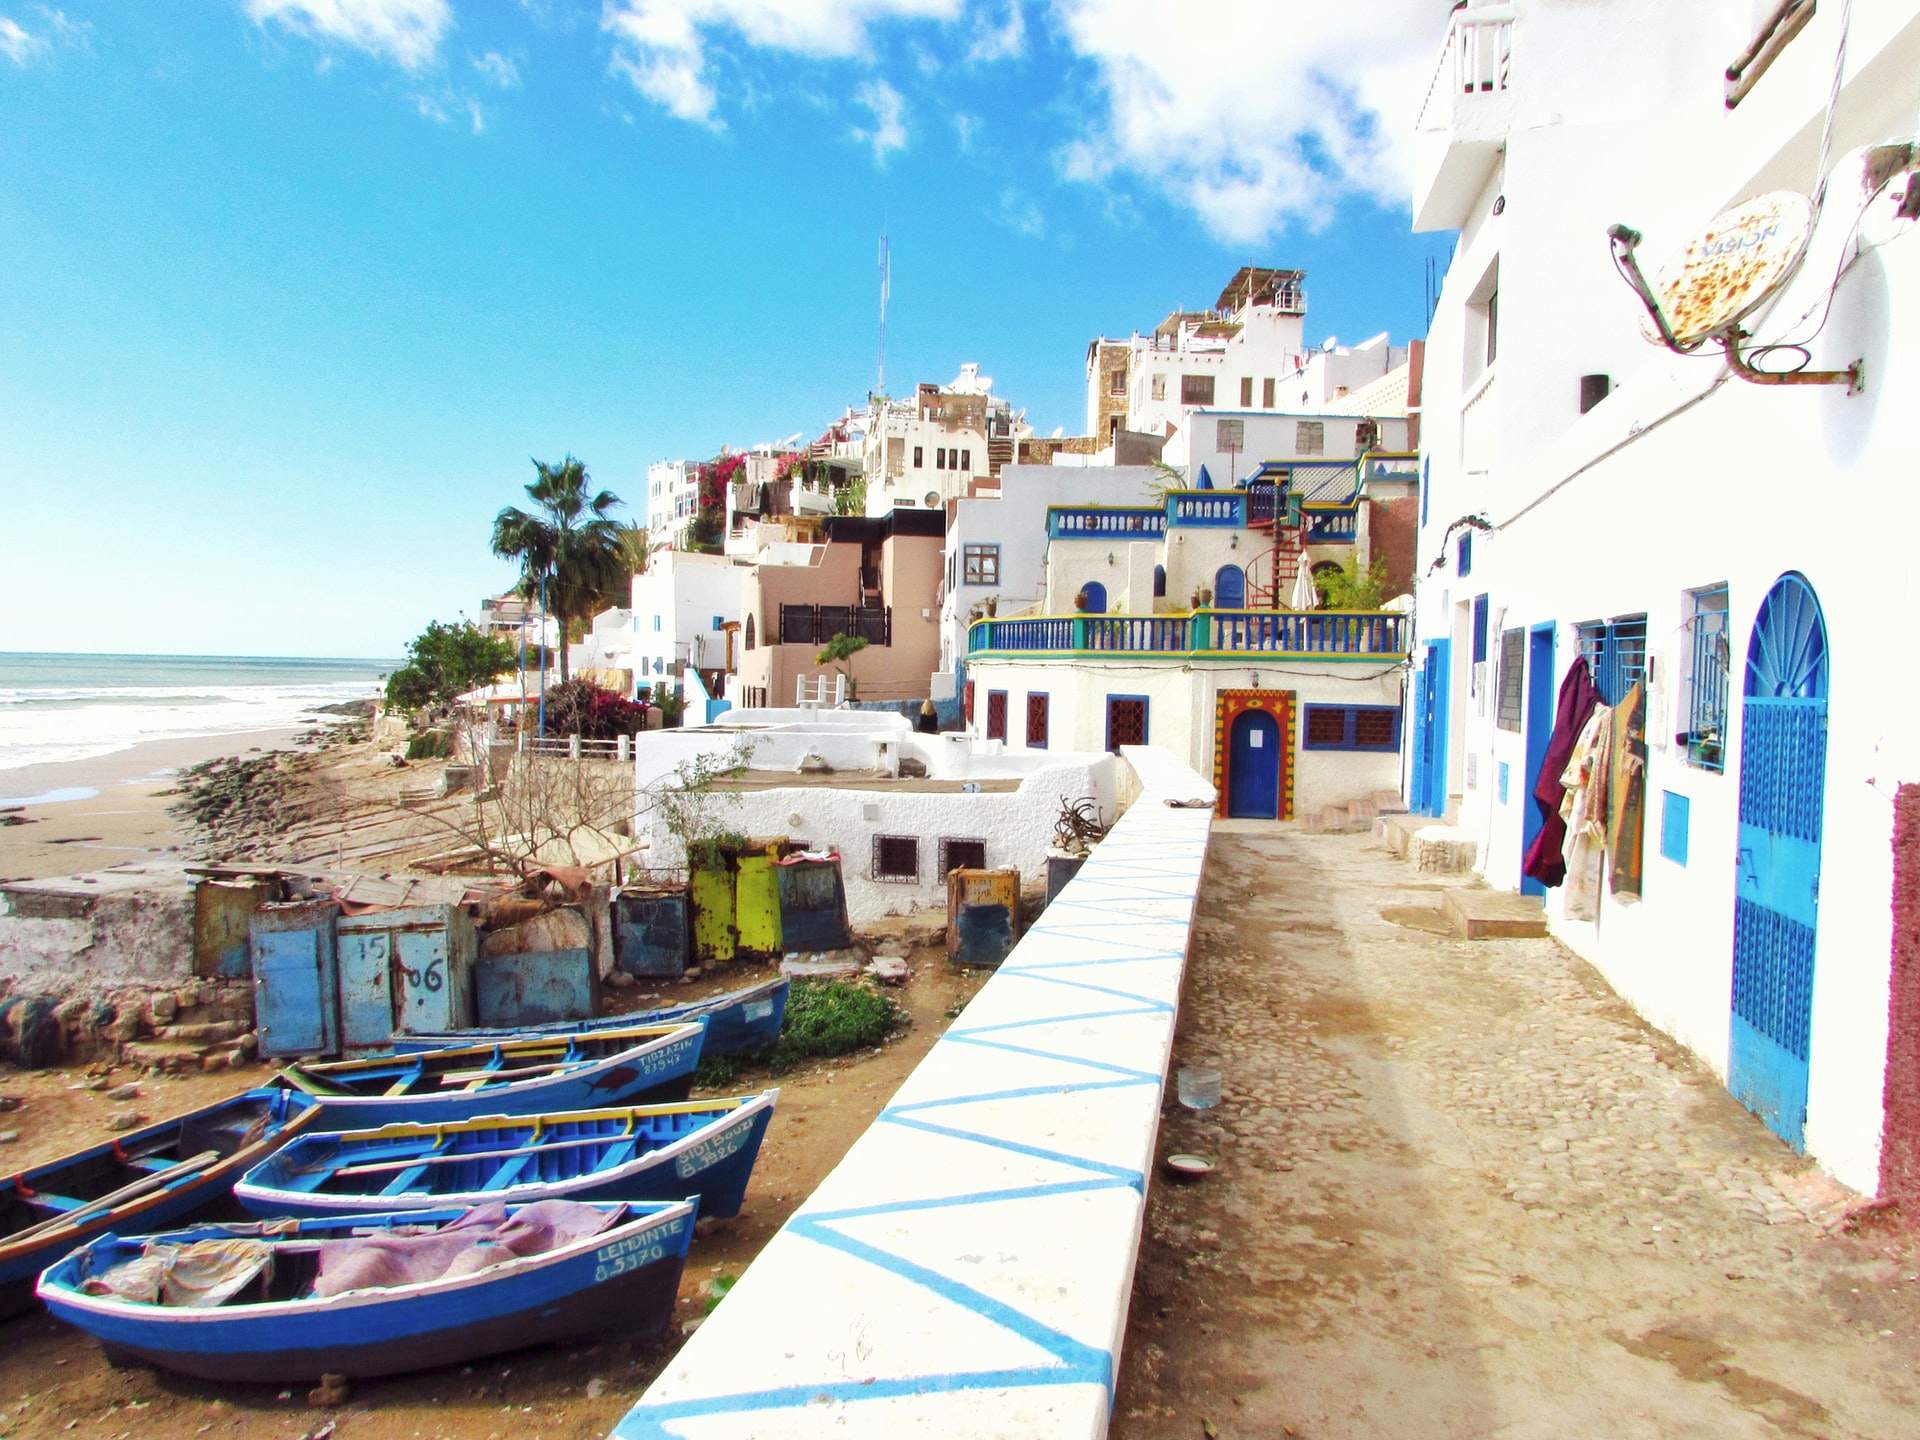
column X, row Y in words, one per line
column 1674, row 811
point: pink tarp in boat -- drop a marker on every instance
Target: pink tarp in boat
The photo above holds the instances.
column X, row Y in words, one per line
column 482, row 1237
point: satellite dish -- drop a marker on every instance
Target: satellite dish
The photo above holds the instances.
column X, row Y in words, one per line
column 1733, row 267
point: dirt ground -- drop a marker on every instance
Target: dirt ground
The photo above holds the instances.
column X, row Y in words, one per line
column 1464, row 1191
column 53, row 1381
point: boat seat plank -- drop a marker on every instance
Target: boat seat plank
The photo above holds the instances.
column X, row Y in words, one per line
column 151, row 1164
column 405, row 1180
column 620, row 1154
column 508, row 1174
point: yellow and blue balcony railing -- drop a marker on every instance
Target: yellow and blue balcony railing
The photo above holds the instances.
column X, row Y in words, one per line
column 1317, row 634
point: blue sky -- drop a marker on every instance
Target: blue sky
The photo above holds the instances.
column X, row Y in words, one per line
column 290, row 290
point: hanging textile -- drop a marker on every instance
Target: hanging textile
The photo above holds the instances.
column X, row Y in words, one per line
column 1627, row 791
column 1583, row 809
column 1544, row 860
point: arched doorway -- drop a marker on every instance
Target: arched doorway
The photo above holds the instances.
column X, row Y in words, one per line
column 1253, row 768
column 1095, row 595
column 1783, row 771
column 1230, row 587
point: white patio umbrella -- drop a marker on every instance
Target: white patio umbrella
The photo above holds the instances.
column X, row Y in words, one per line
column 1306, row 595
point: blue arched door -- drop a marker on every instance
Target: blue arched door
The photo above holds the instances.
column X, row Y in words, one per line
column 1253, row 766
column 1230, row 588
column 1783, row 774
column 1096, row 596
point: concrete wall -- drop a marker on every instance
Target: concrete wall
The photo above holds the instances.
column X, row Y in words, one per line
column 1684, row 478
column 966, row 1268
column 1016, row 825
column 71, row 936
column 1182, row 711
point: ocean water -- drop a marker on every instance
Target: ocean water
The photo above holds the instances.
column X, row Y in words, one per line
column 80, row 707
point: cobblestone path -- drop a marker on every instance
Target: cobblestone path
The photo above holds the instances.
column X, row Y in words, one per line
column 1464, row 1191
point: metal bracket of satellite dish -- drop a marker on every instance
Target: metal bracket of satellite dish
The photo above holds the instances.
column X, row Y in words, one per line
column 1735, row 266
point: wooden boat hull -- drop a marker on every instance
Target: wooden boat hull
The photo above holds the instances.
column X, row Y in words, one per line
column 739, row 1022
column 170, row 1203
column 711, row 1162
column 658, row 1070
column 623, row 1280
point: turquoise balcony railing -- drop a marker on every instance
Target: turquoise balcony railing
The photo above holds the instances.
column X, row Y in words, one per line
column 1106, row 522
column 1328, row 634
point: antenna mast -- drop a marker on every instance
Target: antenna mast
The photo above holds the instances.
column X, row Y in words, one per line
column 886, row 289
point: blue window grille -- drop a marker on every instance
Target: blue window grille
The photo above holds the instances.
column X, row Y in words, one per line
column 1464, row 550
column 656, row 624
column 1479, row 628
column 1037, row 708
column 1674, row 811
column 1351, row 727
column 1505, row 770
column 1707, row 689
column 1616, row 652
column 718, row 621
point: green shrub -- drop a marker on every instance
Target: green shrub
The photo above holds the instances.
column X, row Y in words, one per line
column 430, row 745
column 832, row 1017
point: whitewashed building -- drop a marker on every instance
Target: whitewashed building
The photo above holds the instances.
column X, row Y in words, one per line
column 1188, row 624
column 1733, row 547
column 672, row 498
column 686, row 610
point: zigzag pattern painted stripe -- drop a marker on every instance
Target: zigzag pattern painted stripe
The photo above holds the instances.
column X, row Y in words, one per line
column 895, row 1294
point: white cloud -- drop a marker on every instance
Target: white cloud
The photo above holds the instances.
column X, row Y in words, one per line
column 1005, row 41
column 407, row 32
column 888, row 132
column 496, row 69
column 1020, row 214
column 476, row 117
column 17, row 44
column 1255, row 115
column 966, row 128
column 661, row 47
column 53, row 29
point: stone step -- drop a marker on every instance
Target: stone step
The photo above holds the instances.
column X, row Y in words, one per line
column 1444, row 849
column 1478, row 914
column 1396, row 832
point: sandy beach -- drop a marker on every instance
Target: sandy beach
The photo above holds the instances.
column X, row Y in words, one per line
column 124, row 818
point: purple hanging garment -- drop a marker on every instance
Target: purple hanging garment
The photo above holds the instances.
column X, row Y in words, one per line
column 1578, row 697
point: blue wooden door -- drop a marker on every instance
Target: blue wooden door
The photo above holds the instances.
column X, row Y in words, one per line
column 1253, row 767
column 366, row 988
column 1096, row 597
column 1433, row 728
column 294, row 978
column 1783, row 765
column 1539, row 730
column 1230, row 587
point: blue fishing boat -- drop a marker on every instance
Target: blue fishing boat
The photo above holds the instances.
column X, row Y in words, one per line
column 698, row 1149
column 532, row 1076
column 143, row 1180
column 738, row 1022
column 287, row 1301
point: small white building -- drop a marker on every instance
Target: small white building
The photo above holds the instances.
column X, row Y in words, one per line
column 686, row 606
column 833, row 780
column 997, row 544
column 672, row 498
column 1230, row 445
column 1732, row 552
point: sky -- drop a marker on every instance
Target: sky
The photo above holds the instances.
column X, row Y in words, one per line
column 292, row 291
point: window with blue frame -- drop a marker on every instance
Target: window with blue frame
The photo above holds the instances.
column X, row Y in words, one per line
column 1616, row 652
column 1479, row 628
column 1463, row 550
column 1708, row 666
column 1351, row 727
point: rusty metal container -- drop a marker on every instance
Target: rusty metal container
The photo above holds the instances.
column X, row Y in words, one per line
column 983, row 916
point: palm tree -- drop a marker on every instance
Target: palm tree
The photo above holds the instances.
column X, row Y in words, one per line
column 636, row 548
column 569, row 548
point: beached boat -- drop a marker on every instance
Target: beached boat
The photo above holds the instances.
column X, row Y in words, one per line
column 504, row 1077
column 288, row 1301
column 698, row 1149
column 143, row 1180
column 738, row 1022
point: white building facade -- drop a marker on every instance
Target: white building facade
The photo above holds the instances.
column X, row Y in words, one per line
column 683, row 605
column 1725, row 549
